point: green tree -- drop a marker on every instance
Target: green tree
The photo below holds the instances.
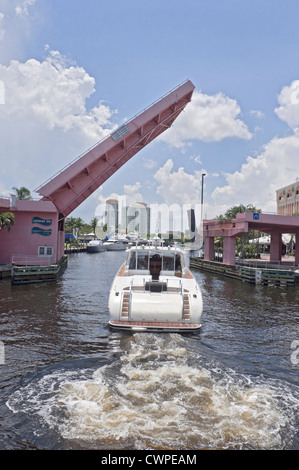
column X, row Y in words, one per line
column 22, row 193
column 79, row 224
column 74, row 225
column 93, row 224
column 7, row 219
column 233, row 211
column 243, row 247
column 70, row 223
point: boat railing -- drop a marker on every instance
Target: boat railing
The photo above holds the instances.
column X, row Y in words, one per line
column 166, row 286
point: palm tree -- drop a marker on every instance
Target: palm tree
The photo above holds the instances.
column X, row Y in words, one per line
column 70, row 224
column 74, row 224
column 7, row 219
column 79, row 224
column 93, row 224
column 22, row 193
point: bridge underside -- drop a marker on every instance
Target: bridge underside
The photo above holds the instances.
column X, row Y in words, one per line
column 80, row 179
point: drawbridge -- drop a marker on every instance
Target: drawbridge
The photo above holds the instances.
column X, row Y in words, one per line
column 75, row 183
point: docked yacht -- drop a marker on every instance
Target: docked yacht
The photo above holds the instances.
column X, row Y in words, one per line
column 155, row 291
column 114, row 245
column 95, row 246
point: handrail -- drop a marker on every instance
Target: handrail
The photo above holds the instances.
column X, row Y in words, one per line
column 31, row 260
column 267, row 264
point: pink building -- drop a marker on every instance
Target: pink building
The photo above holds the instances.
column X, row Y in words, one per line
column 36, row 238
column 288, row 199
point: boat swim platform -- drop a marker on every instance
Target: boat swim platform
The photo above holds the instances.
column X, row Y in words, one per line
column 262, row 273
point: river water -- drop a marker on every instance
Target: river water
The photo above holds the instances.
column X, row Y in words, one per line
column 68, row 382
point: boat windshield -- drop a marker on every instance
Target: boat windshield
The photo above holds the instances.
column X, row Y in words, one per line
column 143, row 260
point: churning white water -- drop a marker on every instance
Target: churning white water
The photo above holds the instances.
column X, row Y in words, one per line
column 159, row 394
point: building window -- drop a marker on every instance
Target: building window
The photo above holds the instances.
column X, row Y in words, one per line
column 45, row 251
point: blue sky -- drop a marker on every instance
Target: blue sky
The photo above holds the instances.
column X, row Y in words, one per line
column 73, row 70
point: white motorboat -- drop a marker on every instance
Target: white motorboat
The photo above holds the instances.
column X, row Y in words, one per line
column 155, row 291
column 114, row 245
column 95, row 246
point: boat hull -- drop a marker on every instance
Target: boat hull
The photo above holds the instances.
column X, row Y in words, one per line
column 115, row 248
column 154, row 326
column 95, row 248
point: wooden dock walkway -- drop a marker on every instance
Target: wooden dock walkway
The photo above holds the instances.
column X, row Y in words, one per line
column 259, row 274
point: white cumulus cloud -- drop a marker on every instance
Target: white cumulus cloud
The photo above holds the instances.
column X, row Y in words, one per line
column 288, row 109
column 45, row 117
column 258, row 178
column 54, row 93
column 22, row 7
column 209, row 118
column 177, row 187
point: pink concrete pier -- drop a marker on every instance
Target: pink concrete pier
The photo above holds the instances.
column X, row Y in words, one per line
column 273, row 271
column 275, row 225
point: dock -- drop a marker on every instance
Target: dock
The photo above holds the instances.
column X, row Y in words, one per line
column 21, row 273
column 259, row 272
column 5, row 271
column 68, row 248
column 34, row 274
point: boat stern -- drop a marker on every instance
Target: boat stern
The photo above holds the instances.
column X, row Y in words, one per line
column 155, row 306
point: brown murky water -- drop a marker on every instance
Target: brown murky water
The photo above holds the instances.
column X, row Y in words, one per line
column 68, row 382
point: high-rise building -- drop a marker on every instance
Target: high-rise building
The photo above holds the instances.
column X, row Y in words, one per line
column 112, row 215
column 288, row 199
column 136, row 218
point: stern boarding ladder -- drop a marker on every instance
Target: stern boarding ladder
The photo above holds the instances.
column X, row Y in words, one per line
column 154, row 287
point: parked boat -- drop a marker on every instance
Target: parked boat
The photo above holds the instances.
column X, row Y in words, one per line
column 95, row 246
column 114, row 245
column 155, row 291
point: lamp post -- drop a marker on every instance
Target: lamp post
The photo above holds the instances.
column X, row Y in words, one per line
column 202, row 177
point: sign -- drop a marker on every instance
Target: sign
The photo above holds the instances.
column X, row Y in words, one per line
column 256, row 216
column 41, row 231
column 40, row 221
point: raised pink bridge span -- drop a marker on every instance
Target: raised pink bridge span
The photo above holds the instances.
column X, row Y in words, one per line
column 37, row 237
column 74, row 184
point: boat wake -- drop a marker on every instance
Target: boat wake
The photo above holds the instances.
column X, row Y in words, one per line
column 159, row 393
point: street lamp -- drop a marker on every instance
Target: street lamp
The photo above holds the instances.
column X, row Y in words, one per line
column 202, row 177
